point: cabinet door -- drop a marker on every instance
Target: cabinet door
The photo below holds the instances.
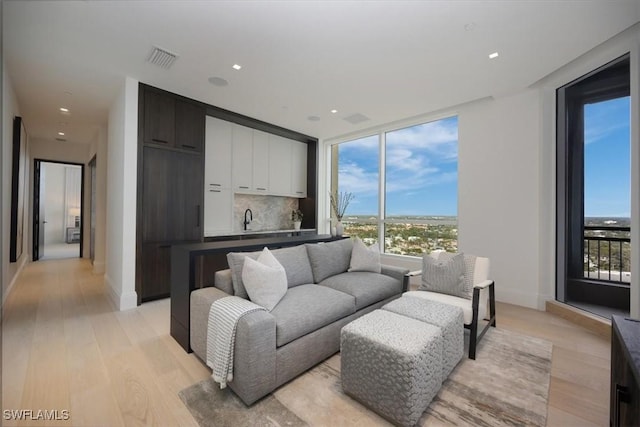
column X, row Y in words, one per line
column 217, row 211
column 260, row 160
column 159, row 118
column 218, row 137
column 172, row 195
column 242, row 158
column 299, row 169
column 156, row 271
column 279, row 166
column 189, row 126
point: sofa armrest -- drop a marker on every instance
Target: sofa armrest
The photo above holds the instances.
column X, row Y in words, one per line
column 201, row 300
column 254, row 363
column 222, row 280
column 397, row 273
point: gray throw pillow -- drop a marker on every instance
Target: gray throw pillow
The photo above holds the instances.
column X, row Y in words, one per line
column 443, row 276
column 365, row 258
column 329, row 259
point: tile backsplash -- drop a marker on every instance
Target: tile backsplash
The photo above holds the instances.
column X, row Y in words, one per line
column 269, row 212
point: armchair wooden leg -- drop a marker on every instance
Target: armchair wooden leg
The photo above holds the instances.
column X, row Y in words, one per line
column 492, row 305
column 473, row 328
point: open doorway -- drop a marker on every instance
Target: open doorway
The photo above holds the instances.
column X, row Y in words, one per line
column 57, row 210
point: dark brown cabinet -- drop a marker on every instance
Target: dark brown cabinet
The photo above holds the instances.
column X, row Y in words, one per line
column 190, row 122
column 625, row 378
column 156, row 270
column 171, row 196
column 172, row 122
column 170, row 183
column 159, row 118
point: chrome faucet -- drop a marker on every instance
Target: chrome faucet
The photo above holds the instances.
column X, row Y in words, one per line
column 247, row 222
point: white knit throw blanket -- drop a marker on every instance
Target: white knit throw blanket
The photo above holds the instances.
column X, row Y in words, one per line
column 224, row 315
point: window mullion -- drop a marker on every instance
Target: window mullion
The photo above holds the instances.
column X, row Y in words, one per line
column 381, row 190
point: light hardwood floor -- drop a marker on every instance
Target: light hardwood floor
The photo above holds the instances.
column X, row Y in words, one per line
column 66, row 348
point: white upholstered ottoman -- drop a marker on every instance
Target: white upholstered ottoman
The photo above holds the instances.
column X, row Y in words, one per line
column 392, row 364
column 448, row 317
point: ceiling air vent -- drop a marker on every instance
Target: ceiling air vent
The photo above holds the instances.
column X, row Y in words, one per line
column 356, row 118
column 162, row 58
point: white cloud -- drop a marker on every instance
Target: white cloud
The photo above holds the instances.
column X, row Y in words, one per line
column 356, row 179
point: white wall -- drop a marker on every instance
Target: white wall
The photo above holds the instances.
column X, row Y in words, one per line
column 10, row 109
column 53, row 178
column 99, row 149
column 121, row 196
column 498, row 192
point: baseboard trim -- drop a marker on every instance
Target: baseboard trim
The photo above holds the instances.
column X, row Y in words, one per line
column 591, row 322
column 126, row 301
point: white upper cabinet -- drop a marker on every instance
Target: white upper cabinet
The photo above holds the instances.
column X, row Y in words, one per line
column 218, row 137
column 242, row 164
column 246, row 160
column 299, row 169
column 279, row 166
column 260, row 162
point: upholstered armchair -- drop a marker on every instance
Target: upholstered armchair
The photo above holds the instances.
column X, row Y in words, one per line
column 477, row 299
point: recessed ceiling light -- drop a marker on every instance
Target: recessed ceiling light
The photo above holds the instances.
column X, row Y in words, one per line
column 236, row 66
column 494, row 55
column 64, row 110
column 313, row 118
column 61, row 133
column 334, row 111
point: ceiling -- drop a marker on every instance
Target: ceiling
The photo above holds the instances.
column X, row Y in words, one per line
column 386, row 60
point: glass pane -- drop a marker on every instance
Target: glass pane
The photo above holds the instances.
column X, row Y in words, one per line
column 421, row 173
column 607, row 190
column 356, row 170
column 418, row 239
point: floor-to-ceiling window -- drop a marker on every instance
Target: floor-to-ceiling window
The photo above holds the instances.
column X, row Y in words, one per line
column 405, row 187
column 594, row 180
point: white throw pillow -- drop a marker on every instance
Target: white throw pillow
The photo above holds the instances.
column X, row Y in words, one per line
column 365, row 258
column 264, row 279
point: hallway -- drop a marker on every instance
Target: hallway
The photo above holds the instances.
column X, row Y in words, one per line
column 65, row 348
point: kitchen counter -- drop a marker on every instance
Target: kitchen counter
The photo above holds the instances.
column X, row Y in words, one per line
column 251, row 233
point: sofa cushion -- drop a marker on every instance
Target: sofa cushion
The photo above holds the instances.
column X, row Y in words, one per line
column 367, row 288
column 294, row 260
column 264, row 280
column 307, row 308
column 329, row 259
column 365, row 258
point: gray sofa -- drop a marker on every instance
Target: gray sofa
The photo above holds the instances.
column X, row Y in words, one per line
column 304, row 328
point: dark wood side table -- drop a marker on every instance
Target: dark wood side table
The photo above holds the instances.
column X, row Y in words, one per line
column 625, row 372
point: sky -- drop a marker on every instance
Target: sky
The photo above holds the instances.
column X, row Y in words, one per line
column 422, row 164
column 607, row 191
column 421, row 170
